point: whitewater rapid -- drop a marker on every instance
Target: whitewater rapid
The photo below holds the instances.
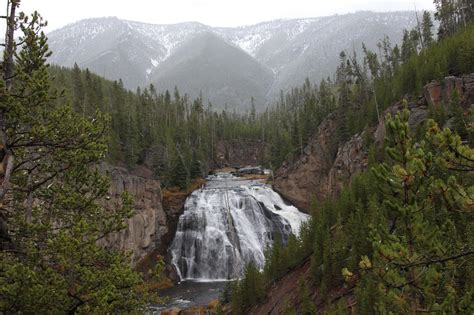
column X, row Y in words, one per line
column 228, row 223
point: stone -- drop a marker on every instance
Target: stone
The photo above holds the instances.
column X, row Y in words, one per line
column 148, row 222
column 433, row 94
column 468, row 97
column 452, row 84
column 239, row 153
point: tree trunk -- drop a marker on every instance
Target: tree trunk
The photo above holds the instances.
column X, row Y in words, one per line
column 7, row 162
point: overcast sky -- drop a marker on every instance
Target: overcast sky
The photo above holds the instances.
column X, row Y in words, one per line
column 210, row 12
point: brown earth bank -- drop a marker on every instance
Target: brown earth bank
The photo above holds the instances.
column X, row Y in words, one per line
column 283, row 295
column 324, row 167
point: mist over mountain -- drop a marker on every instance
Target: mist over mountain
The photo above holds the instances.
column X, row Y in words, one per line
column 227, row 66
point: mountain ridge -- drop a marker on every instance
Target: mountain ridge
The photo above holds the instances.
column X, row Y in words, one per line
column 292, row 49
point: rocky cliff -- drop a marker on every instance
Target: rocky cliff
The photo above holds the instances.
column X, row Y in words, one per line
column 299, row 181
column 323, row 169
column 146, row 230
column 239, row 153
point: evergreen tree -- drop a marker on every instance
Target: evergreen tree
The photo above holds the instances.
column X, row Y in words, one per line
column 427, row 26
column 407, row 46
column 195, row 169
column 411, row 253
column 306, row 304
column 179, row 174
column 460, row 120
column 50, row 194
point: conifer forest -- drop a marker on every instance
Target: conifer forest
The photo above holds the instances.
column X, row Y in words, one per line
column 348, row 192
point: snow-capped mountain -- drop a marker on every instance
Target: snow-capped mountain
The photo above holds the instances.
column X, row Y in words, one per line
column 226, row 65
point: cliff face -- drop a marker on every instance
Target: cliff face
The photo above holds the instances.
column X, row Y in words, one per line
column 324, row 168
column 145, row 229
column 299, row 181
column 239, row 153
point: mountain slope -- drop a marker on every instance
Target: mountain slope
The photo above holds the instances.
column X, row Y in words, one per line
column 220, row 71
column 142, row 53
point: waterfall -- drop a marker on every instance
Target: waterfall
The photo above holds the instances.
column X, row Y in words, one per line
column 227, row 224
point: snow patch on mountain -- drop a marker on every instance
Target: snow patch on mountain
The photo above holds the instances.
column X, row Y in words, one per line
column 292, row 49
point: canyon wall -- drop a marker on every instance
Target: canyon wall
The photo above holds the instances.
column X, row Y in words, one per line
column 145, row 229
column 324, row 167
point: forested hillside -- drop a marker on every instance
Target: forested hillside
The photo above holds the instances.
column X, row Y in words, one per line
column 399, row 237
column 169, row 130
column 173, row 135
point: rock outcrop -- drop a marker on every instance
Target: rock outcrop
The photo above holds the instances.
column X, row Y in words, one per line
column 324, row 168
column 438, row 94
column 301, row 180
column 239, row 153
column 145, row 229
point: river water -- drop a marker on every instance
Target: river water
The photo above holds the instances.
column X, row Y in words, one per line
column 226, row 224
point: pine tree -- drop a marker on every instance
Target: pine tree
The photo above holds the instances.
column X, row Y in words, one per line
column 78, row 91
column 427, row 26
column 50, row 194
column 460, row 120
column 419, row 255
column 179, row 174
column 195, row 169
column 407, row 46
column 307, row 306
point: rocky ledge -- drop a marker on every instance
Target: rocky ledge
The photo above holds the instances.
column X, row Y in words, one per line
column 324, row 168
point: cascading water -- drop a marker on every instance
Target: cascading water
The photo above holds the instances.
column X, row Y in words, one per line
column 227, row 224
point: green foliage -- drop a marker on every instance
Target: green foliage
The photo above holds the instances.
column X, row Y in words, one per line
column 147, row 127
column 453, row 15
column 307, row 306
column 427, row 26
column 248, row 291
column 419, row 255
column 368, row 227
column 53, row 263
column 460, row 118
column 179, row 174
column 450, row 56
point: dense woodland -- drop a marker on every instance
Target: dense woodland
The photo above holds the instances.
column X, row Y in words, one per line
column 398, row 236
column 174, row 136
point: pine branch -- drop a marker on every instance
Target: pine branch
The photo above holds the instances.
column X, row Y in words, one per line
column 429, row 262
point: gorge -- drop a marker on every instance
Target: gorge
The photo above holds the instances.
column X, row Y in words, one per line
column 348, row 195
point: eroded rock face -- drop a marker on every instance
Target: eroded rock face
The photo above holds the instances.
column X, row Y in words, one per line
column 149, row 222
column 351, row 159
column 433, row 94
column 439, row 94
column 239, row 153
column 323, row 170
column 468, row 90
column 306, row 177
